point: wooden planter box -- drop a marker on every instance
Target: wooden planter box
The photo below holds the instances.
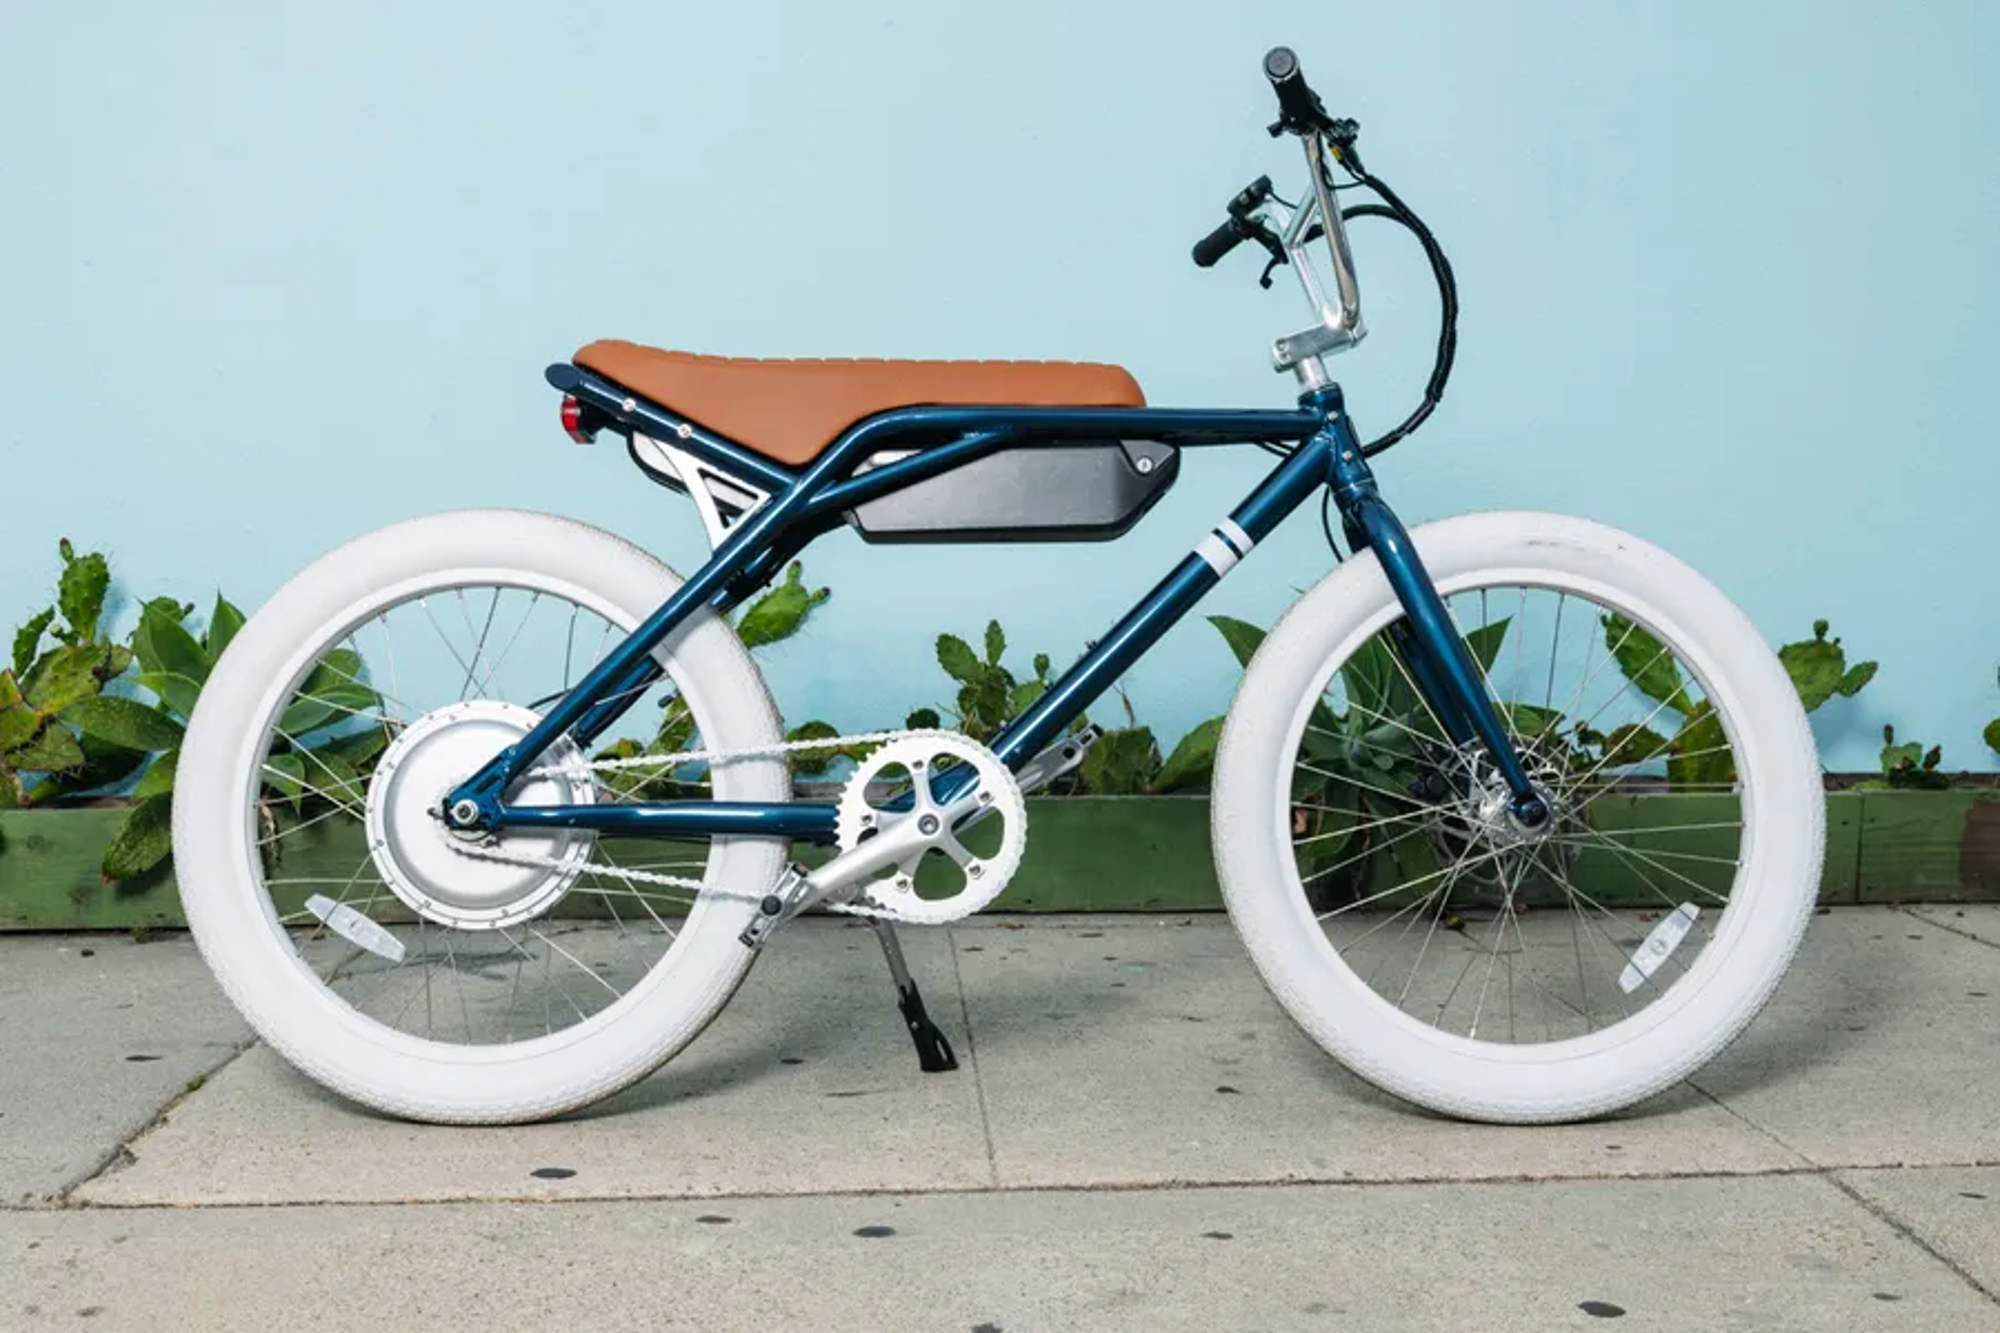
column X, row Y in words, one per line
column 1092, row 854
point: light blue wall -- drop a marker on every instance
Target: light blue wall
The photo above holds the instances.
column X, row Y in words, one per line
column 276, row 274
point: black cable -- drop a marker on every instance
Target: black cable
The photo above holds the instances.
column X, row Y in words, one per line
column 1393, row 208
column 1326, row 523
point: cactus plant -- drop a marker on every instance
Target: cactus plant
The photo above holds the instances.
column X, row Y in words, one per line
column 317, row 759
column 1909, row 766
column 44, row 754
column 1992, row 734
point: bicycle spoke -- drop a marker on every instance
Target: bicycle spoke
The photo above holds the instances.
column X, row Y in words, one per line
column 1513, row 972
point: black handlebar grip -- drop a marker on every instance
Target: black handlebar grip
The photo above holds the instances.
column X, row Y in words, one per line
column 1217, row 243
column 1298, row 104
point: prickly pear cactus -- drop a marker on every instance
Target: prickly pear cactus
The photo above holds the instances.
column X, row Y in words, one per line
column 43, row 753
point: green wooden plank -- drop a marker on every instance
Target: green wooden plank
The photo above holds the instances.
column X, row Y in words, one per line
column 1115, row 854
column 50, row 880
column 1108, row 854
column 1929, row 846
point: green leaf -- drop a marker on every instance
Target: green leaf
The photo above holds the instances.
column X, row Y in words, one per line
column 1241, row 636
column 103, row 765
column 178, row 693
column 1815, row 666
column 676, row 733
column 1531, row 722
column 142, row 841
column 1992, row 734
column 1632, row 744
column 923, row 719
column 18, row 722
column 54, row 749
column 333, row 690
column 223, row 622
column 159, row 779
column 1193, row 759
column 362, row 748
column 65, row 675
column 1486, row 640
column 1041, row 666
column 1646, row 662
column 11, row 792
column 1372, row 676
column 286, row 775
column 1857, row 676
column 80, row 593
column 817, row 762
column 123, row 722
column 781, row 612
column 1024, row 696
column 996, row 642
column 332, row 778
column 955, row 655
column 164, row 644
column 28, row 639
column 1121, row 761
column 1700, row 753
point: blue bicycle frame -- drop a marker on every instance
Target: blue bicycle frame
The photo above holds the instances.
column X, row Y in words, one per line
column 806, row 503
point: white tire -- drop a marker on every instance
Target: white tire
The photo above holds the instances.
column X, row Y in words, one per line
column 252, row 954
column 1776, row 880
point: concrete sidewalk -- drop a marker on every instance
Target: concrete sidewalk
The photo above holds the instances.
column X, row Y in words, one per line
column 1138, row 1139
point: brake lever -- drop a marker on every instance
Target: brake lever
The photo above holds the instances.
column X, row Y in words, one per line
column 1267, row 238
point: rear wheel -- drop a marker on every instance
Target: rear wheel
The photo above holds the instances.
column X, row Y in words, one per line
column 420, row 974
column 1461, row 961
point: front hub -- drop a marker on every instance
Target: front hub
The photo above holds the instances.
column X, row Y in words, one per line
column 433, row 868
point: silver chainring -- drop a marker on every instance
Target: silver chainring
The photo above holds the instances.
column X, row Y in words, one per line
column 996, row 795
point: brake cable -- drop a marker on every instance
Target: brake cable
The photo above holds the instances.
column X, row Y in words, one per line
column 1393, row 208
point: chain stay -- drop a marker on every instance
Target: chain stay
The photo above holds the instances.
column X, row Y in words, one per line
column 862, row 909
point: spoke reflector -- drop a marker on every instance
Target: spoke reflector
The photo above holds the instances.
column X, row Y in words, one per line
column 1658, row 946
column 355, row 928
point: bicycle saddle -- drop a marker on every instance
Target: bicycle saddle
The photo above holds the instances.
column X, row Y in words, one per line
column 792, row 410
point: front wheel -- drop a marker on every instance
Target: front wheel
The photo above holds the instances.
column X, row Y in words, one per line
column 1449, row 955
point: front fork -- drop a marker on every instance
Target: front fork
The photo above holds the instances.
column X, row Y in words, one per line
column 1441, row 665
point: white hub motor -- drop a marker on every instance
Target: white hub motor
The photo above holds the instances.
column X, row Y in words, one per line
column 426, row 865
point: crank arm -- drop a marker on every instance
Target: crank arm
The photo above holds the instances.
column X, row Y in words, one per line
column 904, row 839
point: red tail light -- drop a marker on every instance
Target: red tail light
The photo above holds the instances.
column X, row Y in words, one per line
column 572, row 419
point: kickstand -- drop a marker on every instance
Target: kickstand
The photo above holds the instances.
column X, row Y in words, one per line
column 934, row 1053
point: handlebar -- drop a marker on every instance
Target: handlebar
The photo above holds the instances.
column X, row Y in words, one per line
column 1323, row 139
column 1212, row 247
column 1299, row 108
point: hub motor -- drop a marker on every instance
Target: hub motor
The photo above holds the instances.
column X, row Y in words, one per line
column 413, row 849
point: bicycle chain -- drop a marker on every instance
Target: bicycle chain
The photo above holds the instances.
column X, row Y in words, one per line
column 670, row 761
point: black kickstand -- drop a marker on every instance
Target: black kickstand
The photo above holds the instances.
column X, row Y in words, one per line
column 934, row 1054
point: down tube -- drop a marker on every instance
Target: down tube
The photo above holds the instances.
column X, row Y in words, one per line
column 1249, row 523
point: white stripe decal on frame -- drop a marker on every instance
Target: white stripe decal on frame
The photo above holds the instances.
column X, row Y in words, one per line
column 1221, row 556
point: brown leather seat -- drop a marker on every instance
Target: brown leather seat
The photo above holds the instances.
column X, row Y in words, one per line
column 791, row 411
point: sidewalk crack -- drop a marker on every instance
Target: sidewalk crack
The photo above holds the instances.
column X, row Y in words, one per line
column 1963, row 933
column 120, row 1155
column 1896, row 1224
